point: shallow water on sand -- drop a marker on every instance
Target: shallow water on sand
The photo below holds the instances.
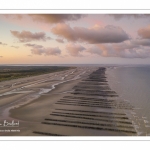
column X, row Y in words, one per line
column 5, row 113
column 133, row 84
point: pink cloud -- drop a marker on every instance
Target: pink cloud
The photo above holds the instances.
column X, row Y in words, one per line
column 27, row 36
column 39, row 50
column 127, row 49
column 137, row 16
column 107, row 34
column 55, row 18
column 75, row 49
column 144, row 32
column 60, row 40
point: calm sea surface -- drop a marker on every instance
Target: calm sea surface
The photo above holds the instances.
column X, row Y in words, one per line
column 133, row 84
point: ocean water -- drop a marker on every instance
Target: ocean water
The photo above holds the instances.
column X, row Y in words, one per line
column 133, row 84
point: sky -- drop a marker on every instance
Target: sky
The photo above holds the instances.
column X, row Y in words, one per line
column 74, row 39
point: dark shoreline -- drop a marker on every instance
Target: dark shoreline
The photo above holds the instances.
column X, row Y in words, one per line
column 16, row 72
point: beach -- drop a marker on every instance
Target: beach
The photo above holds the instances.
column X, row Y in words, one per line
column 74, row 102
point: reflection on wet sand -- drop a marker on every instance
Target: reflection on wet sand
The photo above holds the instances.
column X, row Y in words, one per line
column 76, row 102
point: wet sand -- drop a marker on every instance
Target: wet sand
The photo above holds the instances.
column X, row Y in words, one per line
column 76, row 102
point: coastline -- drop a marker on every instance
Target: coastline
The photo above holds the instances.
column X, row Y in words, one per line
column 125, row 88
column 61, row 104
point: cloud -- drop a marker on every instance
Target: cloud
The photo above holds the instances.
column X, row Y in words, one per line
column 1, row 56
column 94, row 50
column 39, row 50
column 135, row 53
column 75, row 49
column 46, row 51
column 60, row 40
column 13, row 16
column 65, row 31
column 137, row 16
column 3, row 44
column 107, row 34
column 142, row 42
column 55, row 18
column 15, row 47
column 33, row 45
column 144, row 32
column 27, row 36
column 127, row 49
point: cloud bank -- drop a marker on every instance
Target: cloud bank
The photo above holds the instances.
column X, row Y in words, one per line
column 129, row 49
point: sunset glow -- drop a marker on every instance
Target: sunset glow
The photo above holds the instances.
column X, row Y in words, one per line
column 75, row 39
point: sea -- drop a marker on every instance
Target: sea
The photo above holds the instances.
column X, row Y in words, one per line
column 132, row 83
